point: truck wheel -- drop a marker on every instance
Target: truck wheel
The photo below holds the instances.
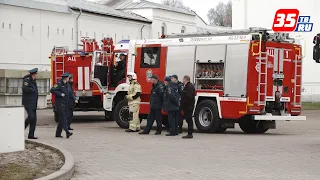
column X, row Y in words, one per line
column 121, row 114
column 108, row 116
column 252, row 127
column 207, row 117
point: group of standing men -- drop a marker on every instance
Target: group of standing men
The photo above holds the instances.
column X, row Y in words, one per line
column 65, row 101
column 172, row 96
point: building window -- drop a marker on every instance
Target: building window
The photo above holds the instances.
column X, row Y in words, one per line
column 102, row 35
column 150, row 57
column 86, row 34
column 3, row 25
column 32, row 28
column 2, row 85
column 21, row 29
column 183, row 29
column 58, row 31
column 72, row 34
column 62, row 32
column 48, row 31
column 14, row 85
column 43, row 86
column 10, row 26
column 94, row 35
column 163, row 29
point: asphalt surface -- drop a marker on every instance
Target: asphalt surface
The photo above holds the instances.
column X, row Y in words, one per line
column 102, row 150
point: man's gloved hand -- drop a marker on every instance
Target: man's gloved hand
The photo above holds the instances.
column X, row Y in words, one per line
column 129, row 98
column 76, row 101
column 62, row 94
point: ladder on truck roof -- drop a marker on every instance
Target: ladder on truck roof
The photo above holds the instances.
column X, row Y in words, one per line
column 59, row 63
column 269, row 35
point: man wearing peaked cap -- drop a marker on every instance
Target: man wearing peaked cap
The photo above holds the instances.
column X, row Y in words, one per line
column 62, row 96
column 156, row 104
column 180, row 86
column 171, row 105
column 71, row 102
column 30, row 100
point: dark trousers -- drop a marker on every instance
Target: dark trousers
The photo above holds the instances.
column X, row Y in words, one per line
column 173, row 118
column 31, row 120
column 62, row 124
column 69, row 116
column 188, row 116
column 180, row 122
column 154, row 114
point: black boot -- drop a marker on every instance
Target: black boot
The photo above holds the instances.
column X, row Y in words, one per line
column 157, row 133
column 129, row 130
column 143, row 132
column 188, row 136
column 69, row 134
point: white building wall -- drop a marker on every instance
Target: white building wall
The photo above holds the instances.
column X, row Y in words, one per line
column 174, row 22
column 28, row 35
column 260, row 13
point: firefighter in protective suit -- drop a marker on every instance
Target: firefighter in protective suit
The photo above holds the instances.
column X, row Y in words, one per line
column 134, row 100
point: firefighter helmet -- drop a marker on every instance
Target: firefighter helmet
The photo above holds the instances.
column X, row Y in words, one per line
column 134, row 76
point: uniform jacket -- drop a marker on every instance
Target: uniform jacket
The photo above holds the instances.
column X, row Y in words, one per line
column 188, row 97
column 171, row 98
column 180, row 86
column 72, row 97
column 59, row 89
column 134, row 93
column 156, row 97
column 29, row 93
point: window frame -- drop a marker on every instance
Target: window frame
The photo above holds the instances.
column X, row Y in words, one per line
column 157, row 63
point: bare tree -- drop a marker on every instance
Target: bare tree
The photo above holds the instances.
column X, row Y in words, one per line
column 175, row 3
column 221, row 15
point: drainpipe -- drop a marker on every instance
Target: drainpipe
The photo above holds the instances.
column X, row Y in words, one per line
column 77, row 28
column 141, row 30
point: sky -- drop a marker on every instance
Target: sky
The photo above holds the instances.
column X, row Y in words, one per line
column 201, row 7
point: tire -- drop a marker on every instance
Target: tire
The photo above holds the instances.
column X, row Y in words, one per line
column 207, row 117
column 108, row 116
column 165, row 121
column 121, row 114
column 250, row 126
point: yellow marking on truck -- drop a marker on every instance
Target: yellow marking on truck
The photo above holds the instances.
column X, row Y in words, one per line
column 254, row 44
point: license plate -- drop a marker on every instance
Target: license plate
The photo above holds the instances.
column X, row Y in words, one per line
column 83, row 93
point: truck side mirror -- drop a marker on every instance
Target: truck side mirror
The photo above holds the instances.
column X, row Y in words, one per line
column 316, row 53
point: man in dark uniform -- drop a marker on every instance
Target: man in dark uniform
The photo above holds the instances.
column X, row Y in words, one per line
column 30, row 101
column 180, row 85
column 156, row 104
column 122, row 63
column 187, row 104
column 62, row 95
column 171, row 105
column 71, row 102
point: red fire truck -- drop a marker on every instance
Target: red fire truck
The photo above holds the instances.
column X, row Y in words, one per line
column 78, row 63
column 251, row 77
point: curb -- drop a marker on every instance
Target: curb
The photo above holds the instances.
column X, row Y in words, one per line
column 66, row 171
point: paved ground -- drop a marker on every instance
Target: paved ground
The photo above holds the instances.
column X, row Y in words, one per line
column 104, row 151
